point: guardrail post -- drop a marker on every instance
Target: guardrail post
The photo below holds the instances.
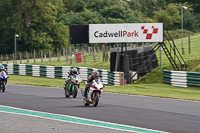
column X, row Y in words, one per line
column 83, row 55
column 66, row 54
column 49, row 55
column 34, row 55
column 41, row 55
column 20, row 56
column 13, row 58
column 57, row 54
column 189, row 44
column 93, row 53
column 103, row 48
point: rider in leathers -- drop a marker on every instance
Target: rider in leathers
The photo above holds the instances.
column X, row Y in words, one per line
column 72, row 72
column 95, row 75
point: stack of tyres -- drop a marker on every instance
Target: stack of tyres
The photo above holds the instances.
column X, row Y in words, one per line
column 90, row 71
column 29, row 70
column 113, row 57
column 134, row 59
column 147, row 55
column 58, row 72
column 126, row 68
column 16, row 69
column 121, row 66
column 100, row 73
column 141, row 61
column 43, row 71
column 111, row 78
column 130, row 59
column 154, row 60
column 149, row 62
column 118, row 62
column 144, row 68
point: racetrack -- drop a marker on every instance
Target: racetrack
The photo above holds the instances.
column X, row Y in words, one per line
column 169, row 115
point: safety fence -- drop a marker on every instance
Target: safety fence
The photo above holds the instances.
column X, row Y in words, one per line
column 181, row 78
column 108, row 77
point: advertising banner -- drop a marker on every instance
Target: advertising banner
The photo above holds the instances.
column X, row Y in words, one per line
column 121, row 33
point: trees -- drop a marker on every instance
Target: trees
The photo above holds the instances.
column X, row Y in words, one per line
column 191, row 21
column 43, row 24
column 36, row 23
column 170, row 16
column 101, row 11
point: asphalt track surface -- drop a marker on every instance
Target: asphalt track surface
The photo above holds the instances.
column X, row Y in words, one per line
column 169, row 115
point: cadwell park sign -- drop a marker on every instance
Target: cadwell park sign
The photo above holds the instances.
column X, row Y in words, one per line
column 121, row 33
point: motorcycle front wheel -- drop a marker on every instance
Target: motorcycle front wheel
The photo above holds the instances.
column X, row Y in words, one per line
column 3, row 86
column 74, row 93
column 95, row 101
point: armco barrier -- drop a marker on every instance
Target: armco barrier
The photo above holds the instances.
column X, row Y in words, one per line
column 108, row 77
column 181, row 78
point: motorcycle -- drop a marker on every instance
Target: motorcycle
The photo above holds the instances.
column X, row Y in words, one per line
column 93, row 93
column 72, row 87
column 3, row 80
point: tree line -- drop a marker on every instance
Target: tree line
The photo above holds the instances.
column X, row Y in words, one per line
column 44, row 24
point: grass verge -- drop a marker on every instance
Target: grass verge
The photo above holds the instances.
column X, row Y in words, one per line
column 156, row 90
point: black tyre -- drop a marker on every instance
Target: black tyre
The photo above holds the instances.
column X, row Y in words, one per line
column 3, row 86
column 74, row 93
column 96, row 99
column 85, row 103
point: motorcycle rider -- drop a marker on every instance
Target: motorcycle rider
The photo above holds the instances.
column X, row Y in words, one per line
column 95, row 75
column 72, row 72
column 2, row 68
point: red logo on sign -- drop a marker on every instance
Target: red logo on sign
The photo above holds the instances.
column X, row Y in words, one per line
column 149, row 35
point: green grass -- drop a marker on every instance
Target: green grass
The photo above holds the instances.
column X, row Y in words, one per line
column 37, row 81
column 156, row 90
column 99, row 63
column 195, row 48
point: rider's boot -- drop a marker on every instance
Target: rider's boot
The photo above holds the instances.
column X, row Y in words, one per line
column 85, row 93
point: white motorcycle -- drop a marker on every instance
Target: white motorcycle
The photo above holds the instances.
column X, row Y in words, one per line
column 93, row 93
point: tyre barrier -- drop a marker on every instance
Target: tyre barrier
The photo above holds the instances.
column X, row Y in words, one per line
column 108, row 77
column 136, row 58
column 181, row 78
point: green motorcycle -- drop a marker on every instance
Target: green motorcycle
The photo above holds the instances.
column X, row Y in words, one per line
column 71, row 88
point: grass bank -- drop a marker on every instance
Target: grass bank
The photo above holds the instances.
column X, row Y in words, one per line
column 156, row 90
column 99, row 63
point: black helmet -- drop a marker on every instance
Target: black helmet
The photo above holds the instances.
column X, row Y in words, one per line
column 74, row 71
column 95, row 74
